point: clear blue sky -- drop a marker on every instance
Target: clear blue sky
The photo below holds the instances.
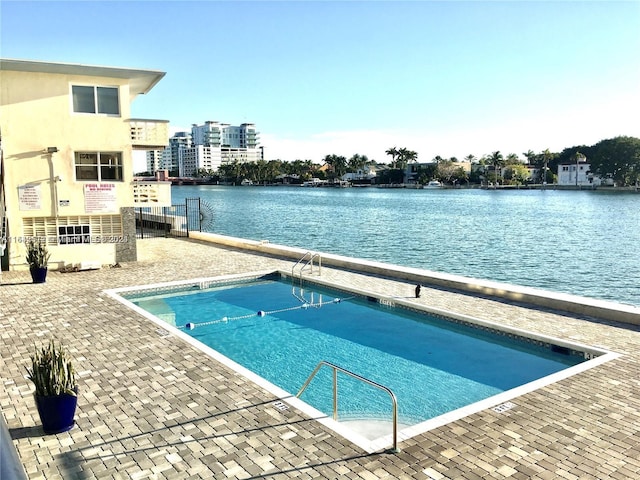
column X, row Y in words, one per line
column 441, row 78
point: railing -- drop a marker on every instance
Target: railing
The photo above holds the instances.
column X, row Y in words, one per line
column 335, row 369
column 173, row 221
column 311, row 256
column 149, row 134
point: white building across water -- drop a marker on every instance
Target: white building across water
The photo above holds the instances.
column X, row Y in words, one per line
column 207, row 147
column 579, row 174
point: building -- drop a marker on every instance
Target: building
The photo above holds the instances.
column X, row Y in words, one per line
column 577, row 174
column 154, row 160
column 207, row 147
column 173, row 154
column 413, row 170
column 67, row 140
column 201, row 157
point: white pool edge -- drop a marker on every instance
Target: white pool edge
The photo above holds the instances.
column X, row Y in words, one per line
column 386, row 441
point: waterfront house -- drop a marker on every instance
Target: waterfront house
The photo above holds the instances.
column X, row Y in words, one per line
column 366, row 174
column 577, row 174
column 67, row 140
column 413, row 170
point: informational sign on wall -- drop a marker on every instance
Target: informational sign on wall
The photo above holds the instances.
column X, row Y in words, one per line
column 100, row 198
column 29, row 197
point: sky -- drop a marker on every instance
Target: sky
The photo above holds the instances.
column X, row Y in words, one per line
column 449, row 78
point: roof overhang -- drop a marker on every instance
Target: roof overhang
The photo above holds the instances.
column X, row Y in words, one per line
column 140, row 81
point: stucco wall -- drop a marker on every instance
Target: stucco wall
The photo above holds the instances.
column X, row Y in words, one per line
column 36, row 113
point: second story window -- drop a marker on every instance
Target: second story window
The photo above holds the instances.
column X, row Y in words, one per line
column 89, row 99
column 98, row 166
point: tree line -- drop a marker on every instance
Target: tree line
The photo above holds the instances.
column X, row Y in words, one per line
column 616, row 158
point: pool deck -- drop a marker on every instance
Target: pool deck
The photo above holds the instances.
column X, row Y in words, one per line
column 152, row 406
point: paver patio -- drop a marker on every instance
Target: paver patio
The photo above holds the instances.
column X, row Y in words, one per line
column 152, row 406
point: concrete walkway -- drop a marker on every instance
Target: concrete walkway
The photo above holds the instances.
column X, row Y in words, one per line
column 151, row 406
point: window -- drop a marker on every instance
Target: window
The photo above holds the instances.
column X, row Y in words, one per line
column 102, row 100
column 72, row 234
column 99, row 166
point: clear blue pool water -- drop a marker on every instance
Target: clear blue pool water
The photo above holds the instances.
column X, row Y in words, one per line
column 432, row 365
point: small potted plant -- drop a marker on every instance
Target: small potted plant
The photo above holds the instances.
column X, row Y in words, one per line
column 38, row 260
column 56, row 392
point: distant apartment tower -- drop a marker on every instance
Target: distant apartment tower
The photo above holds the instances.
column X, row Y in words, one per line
column 154, row 160
column 216, row 143
column 173, row 155
column 206, row 148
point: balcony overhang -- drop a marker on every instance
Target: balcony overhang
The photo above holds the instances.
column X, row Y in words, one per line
column 149, row 134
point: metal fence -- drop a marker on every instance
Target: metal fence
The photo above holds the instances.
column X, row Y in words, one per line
column 173, row 221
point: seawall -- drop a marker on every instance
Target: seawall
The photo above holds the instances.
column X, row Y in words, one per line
column 592, row 307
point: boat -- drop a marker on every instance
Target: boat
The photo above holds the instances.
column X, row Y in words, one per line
column 433, row 184
column 314, row 182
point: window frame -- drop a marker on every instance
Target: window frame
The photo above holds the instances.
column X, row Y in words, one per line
column 96, row 100
column 100, row 165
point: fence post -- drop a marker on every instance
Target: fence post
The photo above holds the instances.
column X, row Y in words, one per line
column 164, row 223
column 186, row 214
column 141, row 223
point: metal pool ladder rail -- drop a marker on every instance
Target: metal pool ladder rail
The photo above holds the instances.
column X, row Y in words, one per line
column 309, row 257
column 336, row 368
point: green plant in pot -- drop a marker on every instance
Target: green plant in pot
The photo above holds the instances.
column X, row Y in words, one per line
column 56, row 394
column 38, row 260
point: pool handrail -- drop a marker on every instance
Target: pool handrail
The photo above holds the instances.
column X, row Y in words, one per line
column 311, row 256
column 336, row 368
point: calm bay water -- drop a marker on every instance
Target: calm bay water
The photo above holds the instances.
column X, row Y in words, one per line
column 580, row 242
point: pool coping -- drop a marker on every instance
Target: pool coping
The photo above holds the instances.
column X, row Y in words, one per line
column 500, row 402
column 598, row 308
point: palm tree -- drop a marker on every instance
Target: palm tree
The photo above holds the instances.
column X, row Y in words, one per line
column 411, row 156
column 578, row 157
column 357, row 162
column 530, row 156
column 338, row 164
column 546, row 156
column 393, row 151
column 512, row 159
column 470, row 158
column 496, row 160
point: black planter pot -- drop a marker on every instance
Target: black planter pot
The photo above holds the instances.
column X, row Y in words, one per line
column 38, row 274
column 57, row 412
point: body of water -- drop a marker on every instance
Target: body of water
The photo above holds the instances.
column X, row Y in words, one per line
column 580, row 242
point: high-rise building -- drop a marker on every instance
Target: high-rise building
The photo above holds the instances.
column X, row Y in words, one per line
column 206, row 148
column 172, row 157
column 154, row 160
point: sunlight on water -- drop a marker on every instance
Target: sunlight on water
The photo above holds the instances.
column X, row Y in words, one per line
column 585, row 243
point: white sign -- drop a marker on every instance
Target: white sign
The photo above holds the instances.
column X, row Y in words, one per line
column 100, row 198
column 29, row 197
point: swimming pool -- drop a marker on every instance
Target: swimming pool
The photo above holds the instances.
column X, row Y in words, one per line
column 281, row 330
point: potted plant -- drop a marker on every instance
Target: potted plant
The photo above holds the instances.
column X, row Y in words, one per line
column 56, row 392
column 38, row 260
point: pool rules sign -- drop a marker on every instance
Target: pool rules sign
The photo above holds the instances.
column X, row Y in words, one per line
column 100, row 198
